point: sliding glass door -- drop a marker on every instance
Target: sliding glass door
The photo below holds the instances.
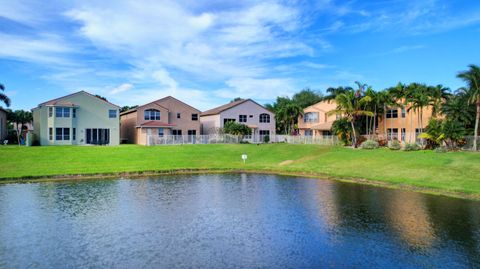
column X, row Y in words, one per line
column 97, row 136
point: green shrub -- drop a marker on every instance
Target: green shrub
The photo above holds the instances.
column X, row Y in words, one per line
column 369, row 144
column 394, row 145
column 441, row 150
column 266, row 139
column 411, row 147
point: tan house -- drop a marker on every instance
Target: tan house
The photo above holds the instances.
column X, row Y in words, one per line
column 245, row 111
column 315, row 121
column 403, row 125
column 3, row 124
column 167, row 116
column 76, row 119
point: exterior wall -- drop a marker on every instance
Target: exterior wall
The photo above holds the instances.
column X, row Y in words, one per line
column 91, row 112
column 410, row 123
column 3, row 125
column 127, row 127
column 185, row 122
column 210, row 124
column 322, row 108
column 251, row 109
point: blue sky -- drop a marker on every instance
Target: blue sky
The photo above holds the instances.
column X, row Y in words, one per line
column 209, row 52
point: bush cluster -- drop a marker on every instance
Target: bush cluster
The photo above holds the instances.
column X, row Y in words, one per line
column 369, row 144
column 411, row 147
column 394, row 145
column 441, row 149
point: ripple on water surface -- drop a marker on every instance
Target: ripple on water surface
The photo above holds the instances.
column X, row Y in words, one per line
column 233, row 220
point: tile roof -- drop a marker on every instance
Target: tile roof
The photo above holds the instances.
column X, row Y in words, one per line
column 153, row 123
column 220, row 109
column 57, row 101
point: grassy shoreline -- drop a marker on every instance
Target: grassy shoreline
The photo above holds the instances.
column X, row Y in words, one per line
column 452, row 174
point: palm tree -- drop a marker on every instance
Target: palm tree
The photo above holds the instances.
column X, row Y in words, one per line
column 3, row 97
column 472, row 78
column 349, row 105
column 438, row 95
column 455, row 109
column 333, row 92
column 419, row 99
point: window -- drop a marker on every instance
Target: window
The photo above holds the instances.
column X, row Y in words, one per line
column 176, row 132
column 192, row 132
column 392, row 113
column 151, row 114
column 404, row 112
column 264, row 118
column 74, row 134
column 308, row 132
column 404, row 133
column 179, row 115
column 392, row 133
column 50, row 112
column 62, row 112
column 74, row 112
column 97, row 136
column 112, row 113
column 194, row 117
column 228, row 120
column 242, row 118
column 310, row 117
column 250, row 116
column 50, row 134
column 62, row 133
column 161, row 132
column 264, row 132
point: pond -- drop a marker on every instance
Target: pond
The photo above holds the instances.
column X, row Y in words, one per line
column 233, row 220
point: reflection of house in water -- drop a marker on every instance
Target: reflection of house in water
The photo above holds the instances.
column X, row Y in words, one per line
column 409, row 217
column 327, row 204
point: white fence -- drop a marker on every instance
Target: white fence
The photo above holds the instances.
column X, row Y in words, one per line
column 234, row 139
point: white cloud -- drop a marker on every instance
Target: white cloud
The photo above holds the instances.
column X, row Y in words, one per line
column 262, row 89
column 121, row 88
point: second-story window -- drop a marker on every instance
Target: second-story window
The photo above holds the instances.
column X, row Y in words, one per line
column 50, row 112
column 242, row 118
column 151, row 114
column 194, row 117
column 310, row 117
column 179, row 115
column 264, row 118
column 404, row 112
column 62, row 112
column 112, row 113
column 392, row 113
column 74, row 112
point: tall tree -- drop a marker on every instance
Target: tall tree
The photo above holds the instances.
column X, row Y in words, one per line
column 306, row 97
column 472, row 78
column 350, row 105
column 19, row 118
column 3, row 97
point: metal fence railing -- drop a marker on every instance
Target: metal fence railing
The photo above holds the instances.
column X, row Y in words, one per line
column 235, row 139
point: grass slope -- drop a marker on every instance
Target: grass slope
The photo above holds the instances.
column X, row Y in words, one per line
column 450, row 172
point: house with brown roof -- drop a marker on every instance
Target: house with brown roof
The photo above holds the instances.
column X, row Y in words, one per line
column 76, row 119
column 160, row 118
column 315, row 120
column 245, row 111
column 3, row 124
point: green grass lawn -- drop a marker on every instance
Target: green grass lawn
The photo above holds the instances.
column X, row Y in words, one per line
column 448, row 172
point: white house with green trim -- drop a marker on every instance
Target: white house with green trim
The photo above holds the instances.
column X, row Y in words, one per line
column 77, row 119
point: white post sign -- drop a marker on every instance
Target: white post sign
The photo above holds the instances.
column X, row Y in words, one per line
column 244, row 157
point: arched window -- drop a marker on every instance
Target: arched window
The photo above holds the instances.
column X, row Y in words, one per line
column 264, row 118
column 310, row 117
column 151, row 114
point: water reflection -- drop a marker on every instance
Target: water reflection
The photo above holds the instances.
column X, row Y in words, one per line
column 233, row 220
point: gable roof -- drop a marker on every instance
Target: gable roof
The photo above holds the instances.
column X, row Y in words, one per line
column 58, row 101
column 156, row 102
column 2, row 109
column 220, row 109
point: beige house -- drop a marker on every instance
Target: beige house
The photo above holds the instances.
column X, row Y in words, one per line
column 403, row 125
column 76, row 119
column 167, row 116
column 245, row 111
column 3, row 124
column 315, row 121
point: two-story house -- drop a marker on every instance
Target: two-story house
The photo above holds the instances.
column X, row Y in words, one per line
column 163, row 117
column 315, row 120
column 245, row 111
column 76, row 119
